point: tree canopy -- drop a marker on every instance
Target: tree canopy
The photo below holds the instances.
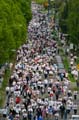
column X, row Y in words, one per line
column 69, row 20
column 14, row 18
column 73, row 21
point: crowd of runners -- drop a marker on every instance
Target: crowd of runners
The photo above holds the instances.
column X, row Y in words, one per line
column 37, row 90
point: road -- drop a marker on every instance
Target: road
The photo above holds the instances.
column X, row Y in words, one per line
column 36, row 86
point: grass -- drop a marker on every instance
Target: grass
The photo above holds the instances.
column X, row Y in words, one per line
column 75, row 89
column 43, row 11
column 71, row 78
column 77, row 62
column 61, row 50
column 5, row 82
column 2, row 89
column 40, row 1
column 66, row 65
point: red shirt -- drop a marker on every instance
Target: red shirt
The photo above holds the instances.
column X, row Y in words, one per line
column 18, row 100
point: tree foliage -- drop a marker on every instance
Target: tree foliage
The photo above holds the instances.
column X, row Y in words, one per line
column 69, row 19
column 73, row 21
column 14, row 17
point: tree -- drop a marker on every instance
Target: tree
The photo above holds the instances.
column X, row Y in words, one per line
column 13, row 26
column 73, row 22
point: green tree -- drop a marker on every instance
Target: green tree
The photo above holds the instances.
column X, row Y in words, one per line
column 73, row 22
column 14, row 18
